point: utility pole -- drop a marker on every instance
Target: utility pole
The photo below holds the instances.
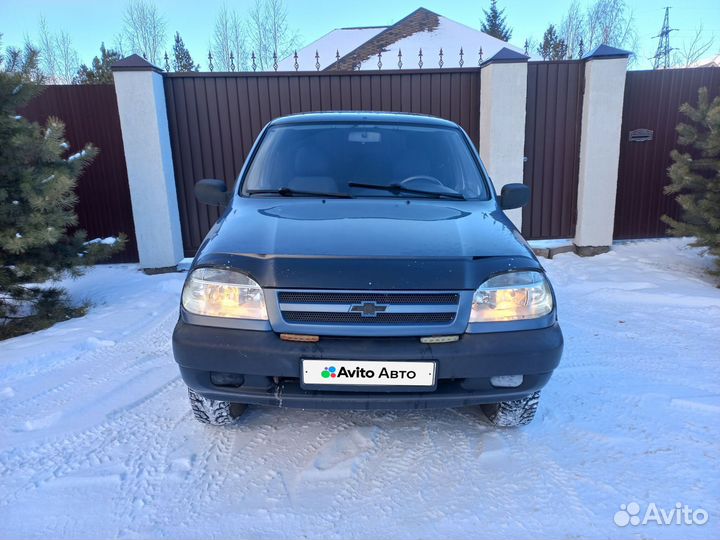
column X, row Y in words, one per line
column 662, row 55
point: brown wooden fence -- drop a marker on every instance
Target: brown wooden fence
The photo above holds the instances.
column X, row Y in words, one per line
column 652, row 100
column 215, row 117
column 552, row 147
column 90, row 114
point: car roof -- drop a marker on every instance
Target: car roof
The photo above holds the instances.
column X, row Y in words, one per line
column 362, row 116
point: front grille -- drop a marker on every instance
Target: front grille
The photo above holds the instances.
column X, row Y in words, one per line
column 388, row 308
column 320, row 317
column 320, row 297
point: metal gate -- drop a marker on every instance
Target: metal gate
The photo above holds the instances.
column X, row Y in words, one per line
column 650, row 114
column 215, row 117
column 552, row 147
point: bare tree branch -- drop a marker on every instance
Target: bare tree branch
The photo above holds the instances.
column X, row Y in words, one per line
column 229, row 36
column 258, row 34
column 269, row 32
column 281, row 38
column 572, row 29
column 119, row 44
column 58, row 59
column 46, row 48
column 144, row 30
column 67, row 59
column 690, row 52
column 609, row 22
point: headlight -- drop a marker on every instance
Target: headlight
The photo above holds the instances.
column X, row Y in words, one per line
column 223, row 293
column 511, row 297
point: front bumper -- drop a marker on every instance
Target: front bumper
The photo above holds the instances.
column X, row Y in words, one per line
column 271, row 367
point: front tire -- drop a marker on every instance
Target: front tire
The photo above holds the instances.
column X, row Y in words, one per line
column 212, row 412
column 519, row 412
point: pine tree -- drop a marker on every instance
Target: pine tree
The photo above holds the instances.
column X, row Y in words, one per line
column 552, row 47
column 695, row 175
column 494, row 23
column 100, row 72
column 182, row 61
column 25, row 61
column 37, row 199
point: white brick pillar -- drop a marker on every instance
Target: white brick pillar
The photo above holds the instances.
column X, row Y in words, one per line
column 503, row 95
column 143, row 119
column 605, row 70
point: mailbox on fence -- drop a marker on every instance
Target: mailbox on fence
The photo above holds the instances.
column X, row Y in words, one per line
column 641, row 135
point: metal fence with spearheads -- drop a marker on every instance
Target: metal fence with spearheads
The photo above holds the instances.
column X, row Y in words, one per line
column 356, row 63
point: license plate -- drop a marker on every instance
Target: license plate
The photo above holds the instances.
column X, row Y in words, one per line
column 354, row 373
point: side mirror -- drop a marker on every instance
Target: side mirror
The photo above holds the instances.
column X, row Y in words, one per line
column 514, row 196
column 212, row 191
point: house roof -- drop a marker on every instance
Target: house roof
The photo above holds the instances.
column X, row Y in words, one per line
column 339, row 40
column 421, row 29
column 707, row 62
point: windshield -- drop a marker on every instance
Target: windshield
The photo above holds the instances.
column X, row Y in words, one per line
column 329, row 158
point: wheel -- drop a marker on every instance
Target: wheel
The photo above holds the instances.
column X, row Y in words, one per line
column 512, row 413
column 215, row 413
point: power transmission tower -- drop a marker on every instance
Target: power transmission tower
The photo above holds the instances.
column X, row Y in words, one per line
column 662, row 55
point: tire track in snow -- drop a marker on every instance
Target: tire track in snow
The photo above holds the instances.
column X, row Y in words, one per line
column 403, row 460
column 51, row 460
column 251, row 467
column 141, row 489
column 95, row 368
column 140, row 494
column 45, row 364
column 58, row 459
column 209, row 473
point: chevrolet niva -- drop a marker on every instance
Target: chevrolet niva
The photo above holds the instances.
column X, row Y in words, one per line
column 364, row 261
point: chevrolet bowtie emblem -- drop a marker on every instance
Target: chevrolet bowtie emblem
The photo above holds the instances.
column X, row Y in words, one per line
column 368, row 309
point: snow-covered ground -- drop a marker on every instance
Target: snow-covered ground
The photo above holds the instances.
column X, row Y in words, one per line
column 96, row 438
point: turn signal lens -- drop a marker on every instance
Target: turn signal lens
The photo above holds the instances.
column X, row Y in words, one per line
column 223, row 293
column 439, row 339
column 512, row 296
column 300, row 337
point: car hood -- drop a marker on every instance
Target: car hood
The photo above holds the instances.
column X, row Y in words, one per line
column 365, row 243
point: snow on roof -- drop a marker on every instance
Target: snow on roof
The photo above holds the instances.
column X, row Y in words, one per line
column 707, row 62
column 450, row 36
column 343, row 40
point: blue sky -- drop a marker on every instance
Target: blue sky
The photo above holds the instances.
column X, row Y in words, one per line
column 91, row 21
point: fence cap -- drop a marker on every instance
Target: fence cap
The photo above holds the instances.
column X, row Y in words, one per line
column 605, row 52
column 506, row 56
column 134, row 62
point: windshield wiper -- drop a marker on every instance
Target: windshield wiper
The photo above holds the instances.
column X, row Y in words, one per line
column 289, row 192
column 399, row 188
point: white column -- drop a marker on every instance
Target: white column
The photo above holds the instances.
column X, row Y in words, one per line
column 503, row 94
column 605, row 70
column 143, row 119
